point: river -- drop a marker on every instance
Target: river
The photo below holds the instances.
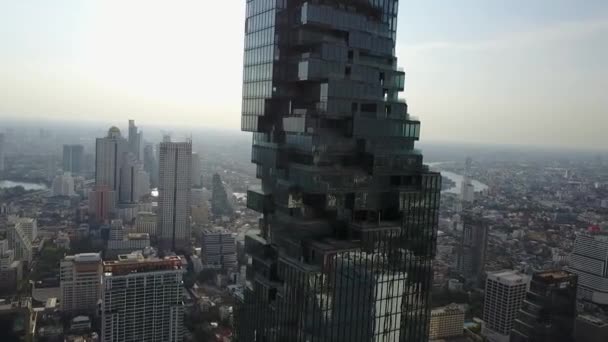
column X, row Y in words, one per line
column 456, row 178
column 5, row 184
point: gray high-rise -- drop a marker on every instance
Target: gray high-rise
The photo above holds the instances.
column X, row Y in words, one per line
column 108, row 158
column 349, row 211
column 73, row 158
column 472, row 250
column 175, row 177
column 134, row 140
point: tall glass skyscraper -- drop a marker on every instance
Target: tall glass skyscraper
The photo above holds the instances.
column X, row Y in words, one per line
column 349, row 212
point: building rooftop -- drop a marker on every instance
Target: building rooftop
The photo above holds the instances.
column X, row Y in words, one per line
column 137, row 263
column 84, row 257
column 510, row 277
column 557, row 275
column 450, row 308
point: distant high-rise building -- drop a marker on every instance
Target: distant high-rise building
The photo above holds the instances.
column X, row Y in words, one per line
column 73, row 159
column 472, row 249
column 219, row 249
column 175, row 178
column 549, row 310
column 151, row 164
column 196, row 171
column 220, row 205
column 134, row 181
column 135, row 137
column 467, row 190
column 348, row 208
column 142, row 299
column 63, row 185
column 80, row 283
column 589, row 260
column 447, row 321
column 108, row 158
column 102, row 204
column 504, row 296
column 2, row 147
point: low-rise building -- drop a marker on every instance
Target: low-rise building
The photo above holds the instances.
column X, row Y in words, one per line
column 447, row 321
column 146, row 223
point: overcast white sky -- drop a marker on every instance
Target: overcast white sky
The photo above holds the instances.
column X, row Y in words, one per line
column 491, row 71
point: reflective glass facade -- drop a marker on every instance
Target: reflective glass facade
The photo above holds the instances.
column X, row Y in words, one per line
column 348, row 211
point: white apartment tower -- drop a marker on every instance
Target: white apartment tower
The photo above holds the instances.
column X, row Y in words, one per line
column 142, row 299
column 80, row 283
column 175, row 178
column 589, row 260
column 505, row 294
column 21, row 235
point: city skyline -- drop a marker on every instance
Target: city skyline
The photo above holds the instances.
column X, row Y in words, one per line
column 303, row 170
column 497, row 70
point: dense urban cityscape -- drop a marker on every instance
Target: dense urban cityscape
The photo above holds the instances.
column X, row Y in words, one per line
column 321, row 221
column 530, row 216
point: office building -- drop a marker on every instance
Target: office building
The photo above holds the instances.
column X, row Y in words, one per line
column 11, row 276
column 7, row 255
column 128, row 179
column 447, row 321
column 334, row 148
column 146, row 222
column 134, row 180
column 588, row 328
column 63, row 185
column 142, row 299
column 218, row 249
column 549, row 310
column 196, row 171
column 123, row 242
column 102, row 204
column 504, row 296
column 472, row 249
column 80, row 283
column 131, row 242
column 175, row 175
column 589, row 260
column 151, row 164
column 108, row 158
column 2, row 148
column 135, row 138
column 73, row 159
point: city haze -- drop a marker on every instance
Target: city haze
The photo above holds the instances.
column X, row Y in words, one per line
column 482, row 71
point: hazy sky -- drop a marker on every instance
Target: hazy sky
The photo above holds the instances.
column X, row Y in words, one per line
column 501, row 71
